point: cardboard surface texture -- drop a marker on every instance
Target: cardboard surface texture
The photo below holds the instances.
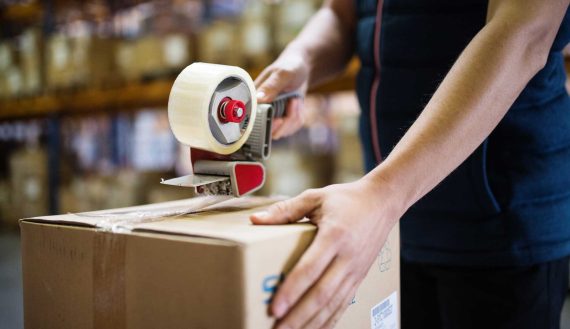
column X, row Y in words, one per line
column 178, row 265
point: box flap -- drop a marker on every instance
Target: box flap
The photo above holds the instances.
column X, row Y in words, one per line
column 233, row 226
column 211, row 216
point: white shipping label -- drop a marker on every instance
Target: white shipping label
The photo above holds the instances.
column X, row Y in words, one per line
column 384, row 315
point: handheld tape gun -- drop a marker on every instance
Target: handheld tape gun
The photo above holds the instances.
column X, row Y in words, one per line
column 213, row 109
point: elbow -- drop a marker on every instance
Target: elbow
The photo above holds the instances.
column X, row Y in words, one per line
column 539, row 40
column 531, row 26
column 536, row 57
column 533, row 41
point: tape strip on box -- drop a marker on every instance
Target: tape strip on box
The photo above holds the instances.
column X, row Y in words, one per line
column 109, row 304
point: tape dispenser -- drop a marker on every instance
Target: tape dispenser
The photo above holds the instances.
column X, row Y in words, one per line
column 213, row 109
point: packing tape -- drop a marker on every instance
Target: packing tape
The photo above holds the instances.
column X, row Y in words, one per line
column 109, row 298
column 110, row 250
column 109, row 257
column 190, row 100
column 124, row 221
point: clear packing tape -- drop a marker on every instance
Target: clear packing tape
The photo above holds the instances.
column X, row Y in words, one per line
column 110, row 247
column 124, row 220
column 192, row 107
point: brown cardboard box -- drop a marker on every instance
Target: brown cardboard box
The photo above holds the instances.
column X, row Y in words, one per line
column 219, row 42
column 291, row 17
column 152, row 56
column 58, row 69
column 28, row 183
column 133, row 268
column 102, row 65
column 29, row 44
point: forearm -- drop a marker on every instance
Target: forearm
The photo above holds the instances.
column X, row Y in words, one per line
column 326, row 41
column 472, row 99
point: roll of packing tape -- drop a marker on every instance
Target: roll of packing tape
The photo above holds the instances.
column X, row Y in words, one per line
column 197, row 103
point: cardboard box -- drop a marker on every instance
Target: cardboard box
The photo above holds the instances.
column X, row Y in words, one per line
column 291, row 18
column 219, row 42
column 143, row 267
column 59, row 71
column 102, row 65
column 169, row 53
column 29, row 59
column 28, row 183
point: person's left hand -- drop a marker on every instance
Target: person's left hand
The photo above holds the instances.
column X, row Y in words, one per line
column 353, row 222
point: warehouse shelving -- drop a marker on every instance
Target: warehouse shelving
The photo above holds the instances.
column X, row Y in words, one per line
column 21, row 12
column 53, row 105
column 132, row 96
column 129, row 97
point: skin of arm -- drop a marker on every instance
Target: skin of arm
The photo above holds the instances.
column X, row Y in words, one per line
column 320, row 52
column 475, row 95
column 354, row 219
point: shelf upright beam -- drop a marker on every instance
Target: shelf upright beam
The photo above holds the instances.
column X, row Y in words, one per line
column 115, row 140
column 53, row 122
column 54, row 148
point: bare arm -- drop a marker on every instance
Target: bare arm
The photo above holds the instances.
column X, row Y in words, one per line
column 327, row 40
column 475, row 95
column 320, row 52
column 352, row 225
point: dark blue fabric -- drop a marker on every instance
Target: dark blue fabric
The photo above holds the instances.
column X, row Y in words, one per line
column 514, row 297
column 509, row 202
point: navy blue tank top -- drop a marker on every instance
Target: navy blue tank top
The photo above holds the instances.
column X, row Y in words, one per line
column 509, row 202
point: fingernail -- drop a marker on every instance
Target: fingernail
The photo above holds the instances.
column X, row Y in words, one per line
column 279, row 310
column 260, row 94
column 261, row 215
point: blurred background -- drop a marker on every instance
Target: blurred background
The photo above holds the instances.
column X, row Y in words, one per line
column 83, row 93
column 84, row 87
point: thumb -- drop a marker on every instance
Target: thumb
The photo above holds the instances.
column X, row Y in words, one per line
column 271, row 87
column 287, row 211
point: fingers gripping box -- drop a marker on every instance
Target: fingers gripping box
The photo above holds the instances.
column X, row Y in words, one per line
column 178, row 265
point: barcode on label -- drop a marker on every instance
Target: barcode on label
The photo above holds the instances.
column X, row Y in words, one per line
column 384, row 315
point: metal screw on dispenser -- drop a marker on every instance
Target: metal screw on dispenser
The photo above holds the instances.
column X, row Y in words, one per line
column 231, row 110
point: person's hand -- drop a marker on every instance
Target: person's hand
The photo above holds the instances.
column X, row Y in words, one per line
column 288, row 73
column 353, row 222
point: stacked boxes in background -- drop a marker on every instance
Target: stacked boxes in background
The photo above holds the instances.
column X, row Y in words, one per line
column 102, row 65
column 99, row 171
column 20, row 71
column 148, row 40
column 109, row 159
column 8, row 72
column 108, row 62
column 219, row 42
column 291, row 17
column 255, row 39
column 28, row 183
column 118, row 189
column 152, row 56
column 59, row 69
column 29, row 58
column 79, row 61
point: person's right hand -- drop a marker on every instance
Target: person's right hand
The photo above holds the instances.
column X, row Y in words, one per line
column 290, row 72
